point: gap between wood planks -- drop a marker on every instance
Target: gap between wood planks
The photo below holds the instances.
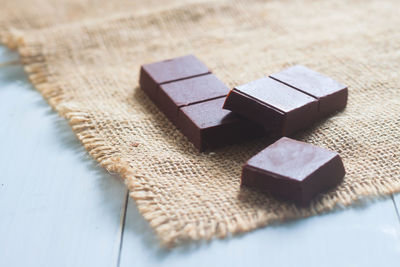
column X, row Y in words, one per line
column 395, row 207
column 122, row 221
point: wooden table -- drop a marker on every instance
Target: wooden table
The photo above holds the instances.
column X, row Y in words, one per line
column 58, row 208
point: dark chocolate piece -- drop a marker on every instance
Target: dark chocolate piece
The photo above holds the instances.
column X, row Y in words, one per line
column 278, row 107
column 192, row 99
column 174, row 95
column 154, row 74
column 207, row 125
column 331, row 94
column 293, row 170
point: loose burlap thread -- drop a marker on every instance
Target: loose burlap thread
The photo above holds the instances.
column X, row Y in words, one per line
column 84, row 57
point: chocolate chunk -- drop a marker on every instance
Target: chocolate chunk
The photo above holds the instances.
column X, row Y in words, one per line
column 174, row 95
column 293, row 170
column 278, row 107
column 331, row 94
column 192, row 99
column 154, row 74
column 207, row 125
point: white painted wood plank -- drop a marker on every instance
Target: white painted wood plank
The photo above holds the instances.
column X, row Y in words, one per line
column 57, row 208
column 6, row 55
column 364, row 236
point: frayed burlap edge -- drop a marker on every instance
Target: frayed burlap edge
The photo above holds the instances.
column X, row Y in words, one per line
column 170, row 235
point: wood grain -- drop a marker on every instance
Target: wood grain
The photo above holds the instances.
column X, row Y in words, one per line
column 57, row 207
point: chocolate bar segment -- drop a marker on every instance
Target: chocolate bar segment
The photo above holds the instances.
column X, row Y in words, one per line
column 208, row 126
column 331, row 94
column 154, row 74
column 278, row 107
column 293, row 170
column 192, row 99
column 174, row 95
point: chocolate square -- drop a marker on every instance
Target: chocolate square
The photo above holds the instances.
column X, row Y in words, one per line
column 331, row 94
column 181, row 93
column 278, row 107
column 209, row 126
column 293, row 170
column 154, row 74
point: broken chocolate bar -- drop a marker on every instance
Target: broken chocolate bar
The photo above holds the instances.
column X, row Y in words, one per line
column 293, row 170
column 332, row 95
column 278, row 107
column 192, row 99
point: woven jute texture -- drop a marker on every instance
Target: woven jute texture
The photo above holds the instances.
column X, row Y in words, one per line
column 84, row 57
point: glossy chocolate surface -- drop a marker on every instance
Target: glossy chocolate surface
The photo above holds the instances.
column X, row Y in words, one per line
column 293, row 170
column 154, row 74
column 331, row 94
column 175, row 69
column 207, row 125
column 278, row 107
column 174, row 95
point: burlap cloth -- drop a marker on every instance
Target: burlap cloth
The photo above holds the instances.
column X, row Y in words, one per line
column 84, row 57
